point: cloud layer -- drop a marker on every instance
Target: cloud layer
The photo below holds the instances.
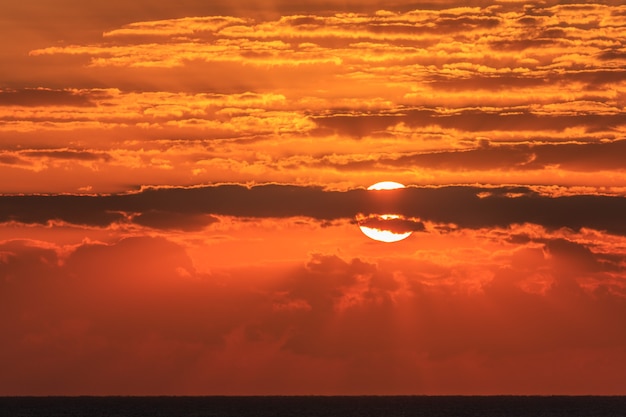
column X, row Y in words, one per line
column 139, row 316
column 466, row 207
column 490, row 94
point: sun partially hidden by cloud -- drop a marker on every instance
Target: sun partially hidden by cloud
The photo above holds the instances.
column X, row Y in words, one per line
column 181, row 190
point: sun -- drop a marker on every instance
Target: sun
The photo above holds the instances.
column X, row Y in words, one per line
column 381, row 233
column 386, row 185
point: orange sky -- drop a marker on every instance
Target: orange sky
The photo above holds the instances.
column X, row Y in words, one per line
column 180, row 183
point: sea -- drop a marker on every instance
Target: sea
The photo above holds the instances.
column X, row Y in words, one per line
column 318, row 406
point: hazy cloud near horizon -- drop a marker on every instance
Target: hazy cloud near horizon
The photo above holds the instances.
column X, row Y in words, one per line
column 335, row 313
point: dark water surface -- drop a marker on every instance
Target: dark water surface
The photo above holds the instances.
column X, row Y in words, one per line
column 368, row 406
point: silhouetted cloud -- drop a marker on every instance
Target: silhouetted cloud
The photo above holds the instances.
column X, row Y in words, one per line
column 468, row 207
column 44, row 97
column 395, row 225
column 68, row 154
column 471, row 120
column 173, row 220
column 570, row 156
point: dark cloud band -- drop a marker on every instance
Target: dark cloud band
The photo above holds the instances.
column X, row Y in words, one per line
column 468, row 207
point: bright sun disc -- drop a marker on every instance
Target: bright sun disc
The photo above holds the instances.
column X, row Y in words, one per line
column 380, row 234
column 386, row 185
